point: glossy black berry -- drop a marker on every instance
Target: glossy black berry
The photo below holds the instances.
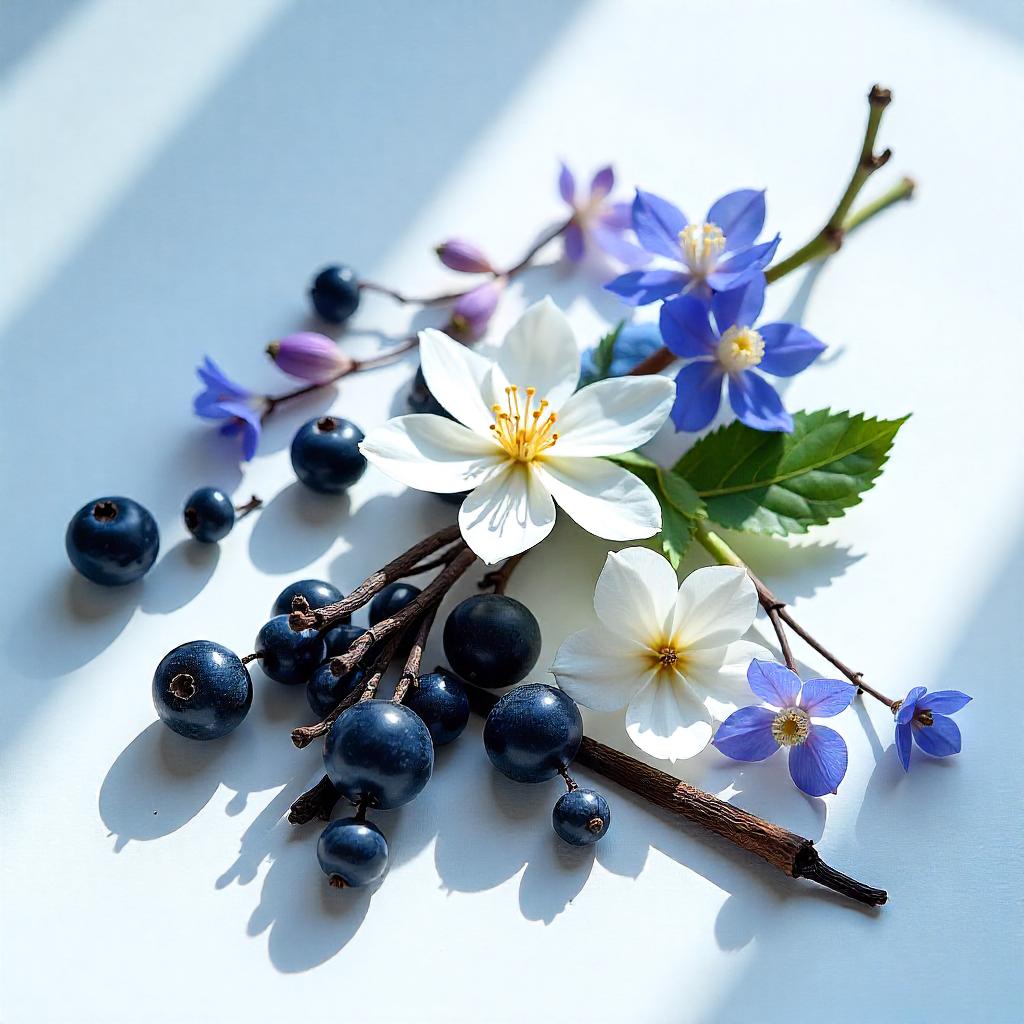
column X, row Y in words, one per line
column 533, row 732
column 287, row 655
column 326, row 455
column 335, row 293
column 421, row 399
column 581, row 817
column 339, row 638
column 391, row 600
column 352, row 853
column 316, row 592
column 325, row 691
column 440, row 700
column 492, row 640
column 112, row 541
column 209, row 515
column 380, row 752
column 202, row 690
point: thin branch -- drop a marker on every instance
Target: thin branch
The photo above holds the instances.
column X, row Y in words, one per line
column 497, row 579
column 411, row 672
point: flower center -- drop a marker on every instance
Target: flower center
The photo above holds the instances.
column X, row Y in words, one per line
column 923, row 717
column 523, row 431
column 740, row 348
column 790, row 727
column 702, row 244
column 668, row 656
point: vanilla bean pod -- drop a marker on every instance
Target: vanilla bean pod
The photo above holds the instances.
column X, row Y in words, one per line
column 412, row 662
column 791, row 854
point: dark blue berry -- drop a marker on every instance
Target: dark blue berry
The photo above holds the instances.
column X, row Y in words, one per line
column 380, row 752
column 112, row 541
column 492, row 640
column 335, row 293
column 581, row 817
column 287, row 655
column 325, row 691
column 440, row 700
column 339, row 639
column 533, row 732
column 326, row 455
column 209, row 515
column 202, row 690
column 316, row 592
column 391, row 600
column 352, row 852
column 421, row 399
column 453, row 497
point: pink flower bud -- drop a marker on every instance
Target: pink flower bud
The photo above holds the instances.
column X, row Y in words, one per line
column 472, row 312
column 310, row 356
column 457, row 254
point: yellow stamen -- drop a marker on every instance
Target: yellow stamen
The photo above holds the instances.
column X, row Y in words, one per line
column 524, row 432
column 740, row 348
column 702, row 244
column 790, row 727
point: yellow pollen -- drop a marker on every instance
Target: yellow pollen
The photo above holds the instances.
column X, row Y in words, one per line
column 702, row 244
column 790, row 727
column 668, row 656
column 523, row 431
column 740, row 348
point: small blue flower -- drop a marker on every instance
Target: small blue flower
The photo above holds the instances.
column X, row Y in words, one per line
column 925, row 717
column 223, row 399
column 726, row 345
column 714, row 255
column 817, row 754
column 633, row 345
column 597, row 221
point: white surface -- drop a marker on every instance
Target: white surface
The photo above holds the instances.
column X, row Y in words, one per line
column 172, row 173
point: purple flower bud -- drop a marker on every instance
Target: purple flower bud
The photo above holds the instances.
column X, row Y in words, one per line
column 472, row 312
column 309, row 356
column 458, row 254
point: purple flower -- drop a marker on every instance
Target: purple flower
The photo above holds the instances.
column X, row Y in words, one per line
column 714, row 255
column 458, row 254
column 597, row 221
column 223, row 399
column 726, row 345
column 817, row 754
column 925, row 716
column 309, row 356
column 472, row 311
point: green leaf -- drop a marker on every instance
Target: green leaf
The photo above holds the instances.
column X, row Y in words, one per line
column 681, row 506
column 604, row 353
column 784, row 483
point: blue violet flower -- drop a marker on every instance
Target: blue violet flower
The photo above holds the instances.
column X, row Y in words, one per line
column 597, row 221
column 223, row 399
column 925, row 717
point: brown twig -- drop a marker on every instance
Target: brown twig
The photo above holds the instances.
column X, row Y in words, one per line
column 498, row 578
column 789, row 853
column 317, row 802
column 241, row 511
column 411, row 671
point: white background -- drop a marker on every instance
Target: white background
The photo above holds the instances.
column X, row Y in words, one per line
column 172, row 175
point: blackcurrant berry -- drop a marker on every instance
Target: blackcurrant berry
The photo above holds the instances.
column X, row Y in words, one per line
column 440, row 700
column 533, row 732
column 492, row 640
column 112, row 541
column 581, row 817
column 421, row 399
column 352, row 852
column 335, row 293
column 325, row 691
column 380, row 752
column 326, row 455
column 287, row 655
column 202, row 690
column 391, row 600
column 209, row 515
column 317, row 593
column 340, row 638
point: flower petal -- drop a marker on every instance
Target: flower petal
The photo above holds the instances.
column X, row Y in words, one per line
column 818, row 765
column 718, row 675
column 574, row 244
column 903, row 743
column 613, row 416
column 510, row 512
column 639, row 287
column 940, row 739
column 741, row 266
column 635, row 591
column 432, row 453
column 605, row 499
column 610, row 240
column 788, row 349
column 757, row 404
column 740, row 215
column 602, row 183
column 618, row 216
column 657, row 224
column 667, row 721
column 908, row 706
column 540, row 351
column 566, row 183
column 746, row 735
column 686, row 328
column 715, row 605
column 944, row 702
column 825, row 698
column 456, row 376
column 698, row 394
column 601, row 670
column 739, row 307
column 774, row 683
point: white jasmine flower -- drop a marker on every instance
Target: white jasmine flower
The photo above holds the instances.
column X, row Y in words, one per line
column 671, row 655
column 524, row 440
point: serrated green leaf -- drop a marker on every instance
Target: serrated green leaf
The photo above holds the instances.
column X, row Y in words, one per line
column 784, row 483
column 604, row 353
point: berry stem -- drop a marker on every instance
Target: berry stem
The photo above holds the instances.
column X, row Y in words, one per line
column 498, row 578
column 317, row 802
column 570, row 782
column 241, row 511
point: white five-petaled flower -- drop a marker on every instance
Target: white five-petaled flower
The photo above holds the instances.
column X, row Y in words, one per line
column 524, row 440
column 672, row 655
